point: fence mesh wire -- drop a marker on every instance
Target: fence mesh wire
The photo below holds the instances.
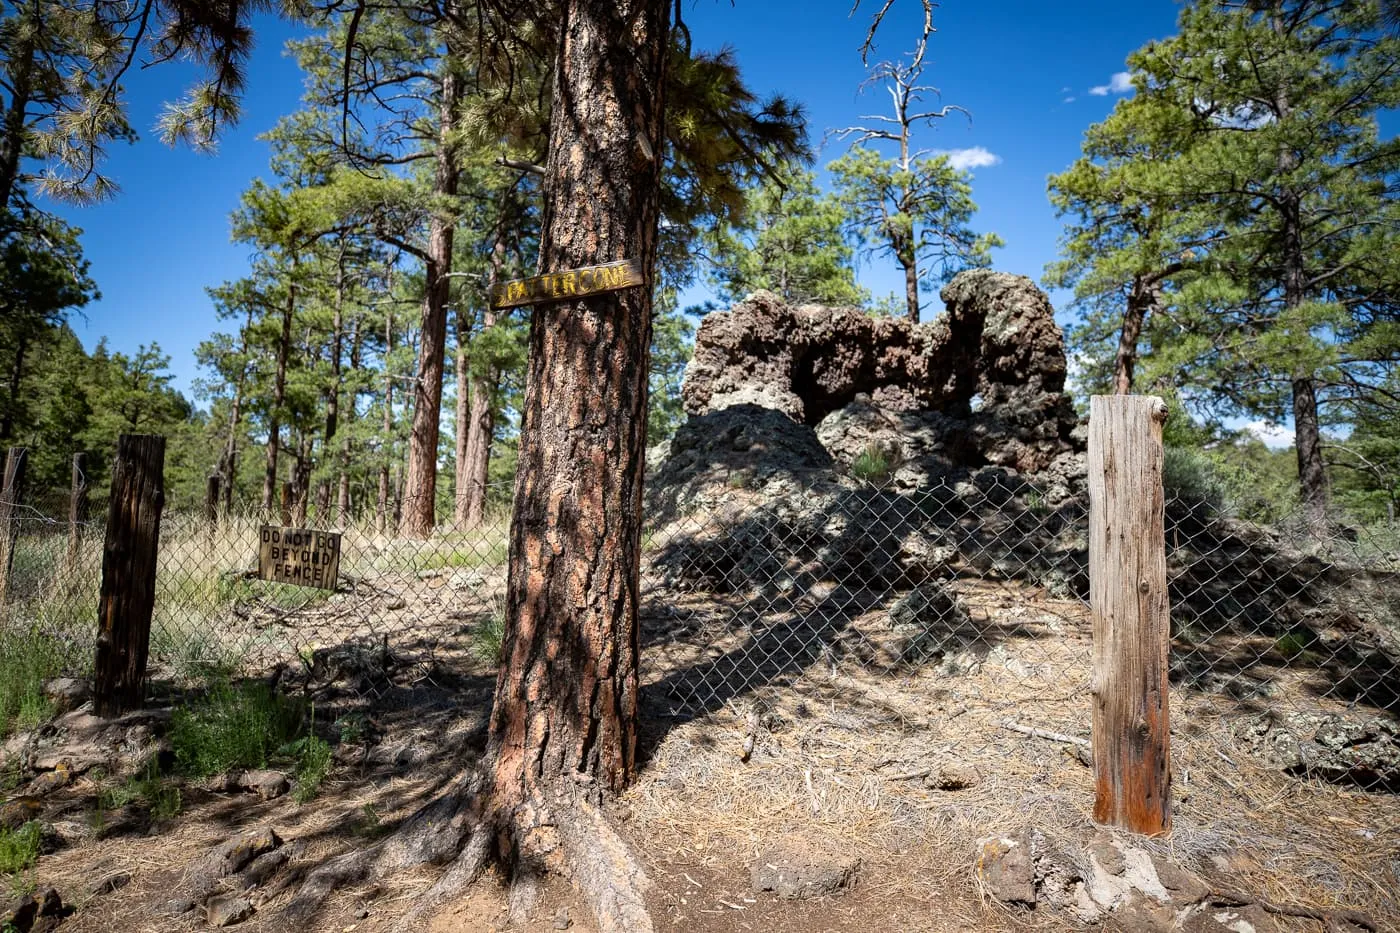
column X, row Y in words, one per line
column 971, row 593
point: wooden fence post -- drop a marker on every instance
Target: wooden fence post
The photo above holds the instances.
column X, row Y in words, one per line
column 129, row 574
column 77, row 515
column 11, row 489
column 1132, row 624
column 211, row 499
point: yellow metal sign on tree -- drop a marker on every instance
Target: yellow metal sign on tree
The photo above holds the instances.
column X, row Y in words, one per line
column 573, row 283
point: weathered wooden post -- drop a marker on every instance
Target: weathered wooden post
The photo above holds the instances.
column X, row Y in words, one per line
column 1132, row 626
column 129, row 574
column 11, row 490
column 211, row 499
column 77, row 515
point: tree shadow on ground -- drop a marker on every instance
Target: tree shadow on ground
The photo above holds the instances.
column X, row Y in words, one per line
column 755, row 594
column 1251, row 605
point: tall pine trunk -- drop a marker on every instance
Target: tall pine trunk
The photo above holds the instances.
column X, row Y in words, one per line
column 1142, row 296
column 21, row 68
column 461, row 374
column 1307, row 433
column 564, row 721
column 420, row 495
column 474, row 449
column 386, row 438
column 342, row 499
column 228, row 461
column 279, row 395
column 911, row 286
column 323, row 489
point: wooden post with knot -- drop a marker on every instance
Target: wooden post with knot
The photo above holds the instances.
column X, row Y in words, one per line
column 128, row 592
column 1132, row 624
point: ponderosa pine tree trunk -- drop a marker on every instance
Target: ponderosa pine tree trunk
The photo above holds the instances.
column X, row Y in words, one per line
column 1141, row 297
column 228, row 460
column 420, row 494
column 911, row 287
column 462, row 369
column 21, row 69
column 563, row 731
column 1307, row 433
column 474, row 453
column 279, row 395
column 563, row 728
column 342, row 499
column 323, row 489
column 387, row 426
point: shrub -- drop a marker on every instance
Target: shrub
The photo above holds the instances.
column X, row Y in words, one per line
column 1191, row 476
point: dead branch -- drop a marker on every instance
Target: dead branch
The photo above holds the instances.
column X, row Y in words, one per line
column 1045, row 734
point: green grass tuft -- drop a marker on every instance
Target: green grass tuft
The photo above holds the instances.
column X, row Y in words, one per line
column 871, row 465
column 27, row 659
column 233, row 727
column 489, row 636
column 161, row 799
column 313, row 755
column 19, row 848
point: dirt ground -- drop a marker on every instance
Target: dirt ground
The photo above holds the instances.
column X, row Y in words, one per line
column 842, row 749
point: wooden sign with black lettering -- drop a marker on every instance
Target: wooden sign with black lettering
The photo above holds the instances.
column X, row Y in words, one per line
column 574, row 283
column 299, row 557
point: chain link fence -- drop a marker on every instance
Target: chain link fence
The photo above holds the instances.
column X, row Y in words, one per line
column 968, row 596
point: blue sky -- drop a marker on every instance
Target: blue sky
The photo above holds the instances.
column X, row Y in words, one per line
column 1034, row 75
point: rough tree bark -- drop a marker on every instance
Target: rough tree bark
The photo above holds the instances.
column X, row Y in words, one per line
column 16, row 114
column 1142, row 298
column 420, row 494
column 563, row 729
column 342, row 499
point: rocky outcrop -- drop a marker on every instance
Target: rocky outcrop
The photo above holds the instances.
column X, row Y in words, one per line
column 826, row 444
column 1364, row 751
column 983, row 383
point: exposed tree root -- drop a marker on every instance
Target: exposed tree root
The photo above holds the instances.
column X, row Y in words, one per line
column 572, row 838
column 1333, row 920
column 605, row 870
column 434, row 835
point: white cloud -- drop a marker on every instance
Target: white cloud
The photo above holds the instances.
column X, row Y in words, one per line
column 965, row 159
column 1069, row 100
column 1274, row 436
column 1120, row 83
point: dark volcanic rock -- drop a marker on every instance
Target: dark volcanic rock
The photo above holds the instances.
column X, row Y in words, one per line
column 993, row 367
column 1343, row 749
